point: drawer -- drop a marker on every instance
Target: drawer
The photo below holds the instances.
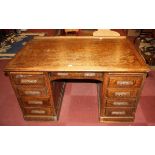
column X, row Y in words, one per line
column 38, row 111
column 121, row 102
column 35, row 102
column 72, row 74
column 126, row 81
column 28, row 79
column 119, row 112
column 121, row 93
column 32, row 91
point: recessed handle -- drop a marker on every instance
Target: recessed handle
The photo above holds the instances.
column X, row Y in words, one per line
column 32, row 92
column 62, row 74
column 23, row 76
column 120, row 103
column 118, row 113
column 38, row 111
column 125, row 83
column 28, row 81
column 89, row 74
column 122, row 94
column 35, row 102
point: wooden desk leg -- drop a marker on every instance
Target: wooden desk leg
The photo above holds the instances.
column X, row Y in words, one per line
column 100, row 101
column 57, row 90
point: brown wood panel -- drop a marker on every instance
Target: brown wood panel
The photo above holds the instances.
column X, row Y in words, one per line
column 116, row 119
column 51, row 117
column 58, row 88
column 78, row 54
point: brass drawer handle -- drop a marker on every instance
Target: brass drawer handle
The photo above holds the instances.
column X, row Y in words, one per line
column 22, row 76
column 125, row 83
column 25, row 81
column 38, row 111
column 35, row 102
column 62, row 74
column 122, row 94
column 118, row 113
column 120, row 103
column 31, row 92
column 89, row 74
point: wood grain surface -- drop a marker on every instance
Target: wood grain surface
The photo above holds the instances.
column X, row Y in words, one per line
column 78, row 54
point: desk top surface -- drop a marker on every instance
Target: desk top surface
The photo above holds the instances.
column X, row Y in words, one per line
column 78, row 54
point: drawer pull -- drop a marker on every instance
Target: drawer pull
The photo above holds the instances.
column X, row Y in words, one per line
column 38, row 112
column 30, row 92
column 35, row 102
column 89, row 74
column 22, row 76
column 118, row 113
column 122, row 94
column 125, row 83
column 25, row 81
column 62, row 74
column 120, row 103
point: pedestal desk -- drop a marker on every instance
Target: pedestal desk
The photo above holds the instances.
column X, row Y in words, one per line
column 39, row 71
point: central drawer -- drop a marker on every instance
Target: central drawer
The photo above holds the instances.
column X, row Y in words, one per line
column 76, row 75
column 121, row 93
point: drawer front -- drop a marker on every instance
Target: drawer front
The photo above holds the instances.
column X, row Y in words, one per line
column 119, row 112
column 38, row 111
column 76, row 75
column 122, row 93
column 35, row 102
column 121, row 103
column 28, row 79
column 32, row 91
column 125, row 81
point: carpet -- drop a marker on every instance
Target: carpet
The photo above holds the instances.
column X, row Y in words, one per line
column 11, row 45
column 147, row 49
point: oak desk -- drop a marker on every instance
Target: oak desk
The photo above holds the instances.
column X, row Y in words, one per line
column 39, row 70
